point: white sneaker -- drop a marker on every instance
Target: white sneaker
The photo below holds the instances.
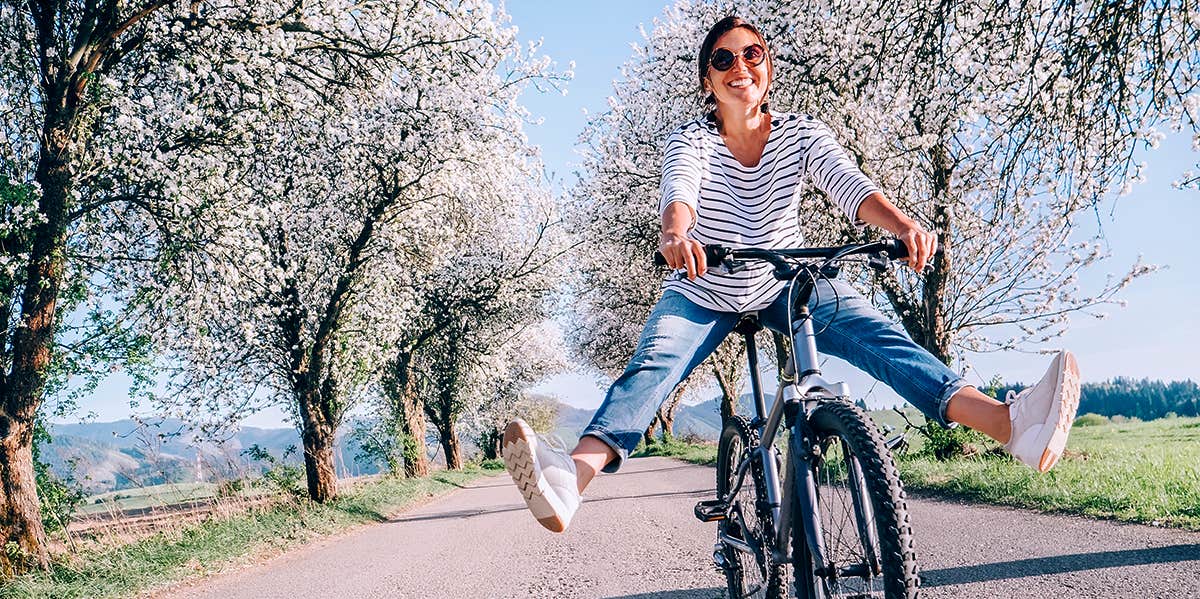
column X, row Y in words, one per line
column 545, row 475
column 1042, row 415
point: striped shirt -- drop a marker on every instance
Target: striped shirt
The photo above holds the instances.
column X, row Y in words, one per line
column 740, row 206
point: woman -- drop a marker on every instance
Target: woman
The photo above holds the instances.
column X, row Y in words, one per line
column 732, row 177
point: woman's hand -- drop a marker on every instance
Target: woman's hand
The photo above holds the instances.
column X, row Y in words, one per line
column 682, row 252
column 921, row 244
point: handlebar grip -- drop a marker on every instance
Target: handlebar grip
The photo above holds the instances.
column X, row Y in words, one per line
column 713, row 255
column 896, row 250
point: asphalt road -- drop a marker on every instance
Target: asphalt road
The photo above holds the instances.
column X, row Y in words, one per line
column 635, row 537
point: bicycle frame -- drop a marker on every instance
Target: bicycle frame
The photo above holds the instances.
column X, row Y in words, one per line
column 792, row 398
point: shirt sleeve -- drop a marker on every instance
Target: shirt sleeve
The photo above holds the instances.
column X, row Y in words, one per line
column 835, row 173
column 681, row 173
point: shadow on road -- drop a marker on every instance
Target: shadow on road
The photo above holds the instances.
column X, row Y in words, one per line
column 712, row 593
column 1058, row 564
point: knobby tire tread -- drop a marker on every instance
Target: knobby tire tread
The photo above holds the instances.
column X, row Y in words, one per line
column 898, row 556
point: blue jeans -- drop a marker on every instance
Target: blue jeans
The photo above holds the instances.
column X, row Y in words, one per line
column 679, row 335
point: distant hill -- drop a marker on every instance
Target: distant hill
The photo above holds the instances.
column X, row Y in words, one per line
column 106, row 456
column 702, row 420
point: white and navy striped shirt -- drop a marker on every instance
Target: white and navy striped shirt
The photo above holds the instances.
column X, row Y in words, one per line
column 740, row 206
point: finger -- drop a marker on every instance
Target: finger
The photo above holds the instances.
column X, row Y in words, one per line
column 914, row 250
column 701, row 259
column 690, row 262
column 921, row 254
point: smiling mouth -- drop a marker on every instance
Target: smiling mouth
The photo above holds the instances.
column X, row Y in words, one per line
column 740, row 83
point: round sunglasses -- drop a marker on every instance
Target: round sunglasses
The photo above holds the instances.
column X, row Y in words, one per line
column 723, row 59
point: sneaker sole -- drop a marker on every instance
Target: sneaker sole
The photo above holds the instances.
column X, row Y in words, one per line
column 518, row 455
column 1066, row 394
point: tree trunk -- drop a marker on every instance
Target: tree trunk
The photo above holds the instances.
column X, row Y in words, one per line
column 648, row 436
column 407, row 409
column 20, row 518
column 489, row 442
column 416, row 463
column 22, row 387
column 728, row 397
column 937, row 336
column 667, row 411
column 318, row 436
column 452, row 448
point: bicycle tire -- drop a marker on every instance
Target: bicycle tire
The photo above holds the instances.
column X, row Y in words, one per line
column 843, row 430
column 745, row 576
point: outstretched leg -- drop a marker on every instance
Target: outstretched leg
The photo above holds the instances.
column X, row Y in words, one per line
column 1033, row 425
column 677, row 337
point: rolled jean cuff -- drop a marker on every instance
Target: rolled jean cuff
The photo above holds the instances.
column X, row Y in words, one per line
column 608, row 439
column 948, row 391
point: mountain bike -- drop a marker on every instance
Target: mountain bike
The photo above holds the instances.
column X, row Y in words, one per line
column 838, row 520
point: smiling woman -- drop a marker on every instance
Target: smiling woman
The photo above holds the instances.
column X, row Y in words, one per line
column 734, row 177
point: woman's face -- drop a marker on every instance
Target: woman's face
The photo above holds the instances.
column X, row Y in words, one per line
column 743, row 85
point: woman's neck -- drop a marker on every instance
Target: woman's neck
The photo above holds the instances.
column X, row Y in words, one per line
column 741, row 124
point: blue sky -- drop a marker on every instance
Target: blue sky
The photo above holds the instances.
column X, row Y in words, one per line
column 1155, row 336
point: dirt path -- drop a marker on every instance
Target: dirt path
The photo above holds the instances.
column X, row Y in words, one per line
column 635, row 537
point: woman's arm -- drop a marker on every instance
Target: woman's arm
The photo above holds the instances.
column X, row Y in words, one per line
column 674, row 244
column 876, row 210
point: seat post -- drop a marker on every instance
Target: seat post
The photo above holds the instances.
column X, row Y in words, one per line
column 748, row 326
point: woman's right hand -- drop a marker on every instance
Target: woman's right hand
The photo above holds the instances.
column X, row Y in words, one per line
column 683, row 253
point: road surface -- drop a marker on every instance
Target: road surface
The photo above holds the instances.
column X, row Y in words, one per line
column 635, row 537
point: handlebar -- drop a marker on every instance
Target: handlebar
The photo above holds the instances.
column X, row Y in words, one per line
column 889, row 249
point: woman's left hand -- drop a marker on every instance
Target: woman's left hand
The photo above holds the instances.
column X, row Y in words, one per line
column 921, row 244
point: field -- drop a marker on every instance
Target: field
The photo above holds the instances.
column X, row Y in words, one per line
column 1147, row 472
column 114, row 565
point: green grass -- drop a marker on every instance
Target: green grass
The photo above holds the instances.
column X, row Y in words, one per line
column 207, row 547
column 704, row 454
column 1147, row 472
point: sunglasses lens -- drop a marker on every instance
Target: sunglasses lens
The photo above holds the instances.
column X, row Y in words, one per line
column 721, row 60
column 754, row 54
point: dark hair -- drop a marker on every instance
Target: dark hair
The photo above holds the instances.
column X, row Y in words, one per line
column 706, row 49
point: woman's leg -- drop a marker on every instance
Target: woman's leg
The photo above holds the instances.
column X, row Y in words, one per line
column 973, row 408
column 677, row 337
column 850, row 328
column 1033, row 426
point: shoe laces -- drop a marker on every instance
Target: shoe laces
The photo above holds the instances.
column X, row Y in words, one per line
column 1013, row 396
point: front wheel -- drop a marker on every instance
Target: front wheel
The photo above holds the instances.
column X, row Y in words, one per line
column 861, row 511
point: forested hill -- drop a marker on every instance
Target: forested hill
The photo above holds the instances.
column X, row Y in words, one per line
column 1146, row 398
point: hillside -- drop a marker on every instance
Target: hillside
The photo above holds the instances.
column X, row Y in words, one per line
column 107, row 456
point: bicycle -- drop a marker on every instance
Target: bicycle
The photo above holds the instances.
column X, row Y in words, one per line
column 839, row 519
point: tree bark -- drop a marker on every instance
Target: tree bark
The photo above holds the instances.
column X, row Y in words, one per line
column 452, row 447
column 728, row 398
column 20, row 517
column 406, row 406
column 22, row 387
column 319, row 437
column 937, row 336
column 648, row 436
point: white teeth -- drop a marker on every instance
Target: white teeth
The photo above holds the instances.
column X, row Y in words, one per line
column 740, row 83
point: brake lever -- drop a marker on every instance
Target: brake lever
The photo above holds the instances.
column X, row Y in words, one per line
column 878, row 261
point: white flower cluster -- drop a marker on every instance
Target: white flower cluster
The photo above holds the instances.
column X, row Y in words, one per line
column 994, row 125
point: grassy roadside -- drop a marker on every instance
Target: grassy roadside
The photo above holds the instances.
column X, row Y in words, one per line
column 211, row 546
column 1145, row 472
